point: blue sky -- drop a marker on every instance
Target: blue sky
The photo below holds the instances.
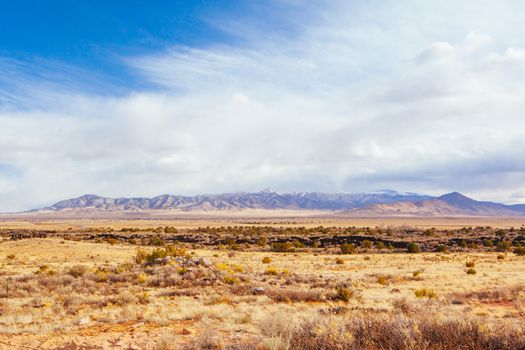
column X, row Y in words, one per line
column 95, row 35
column 140, row 98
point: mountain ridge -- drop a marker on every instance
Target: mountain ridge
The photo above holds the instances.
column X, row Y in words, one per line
column 265, row 199
column 450, row 204
column 378, row 203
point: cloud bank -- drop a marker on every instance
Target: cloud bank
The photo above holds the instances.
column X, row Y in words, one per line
column 406, row 95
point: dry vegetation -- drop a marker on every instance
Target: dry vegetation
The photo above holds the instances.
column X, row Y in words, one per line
column 262, row 287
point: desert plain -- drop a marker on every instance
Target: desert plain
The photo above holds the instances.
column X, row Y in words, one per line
column 264, row 282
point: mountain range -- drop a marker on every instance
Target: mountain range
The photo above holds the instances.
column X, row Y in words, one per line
column 380, row 203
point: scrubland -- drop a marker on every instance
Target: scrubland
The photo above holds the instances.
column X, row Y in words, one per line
column 262, row 288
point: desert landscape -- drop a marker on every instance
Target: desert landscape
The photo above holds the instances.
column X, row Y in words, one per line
column 277, row 283
column 262, row 175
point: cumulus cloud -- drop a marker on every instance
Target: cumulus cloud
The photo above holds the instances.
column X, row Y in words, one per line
column 405, row 95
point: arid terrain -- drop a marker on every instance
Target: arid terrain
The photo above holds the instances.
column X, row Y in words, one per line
column 287, row 283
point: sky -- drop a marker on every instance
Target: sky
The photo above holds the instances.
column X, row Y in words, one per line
column 141, row 98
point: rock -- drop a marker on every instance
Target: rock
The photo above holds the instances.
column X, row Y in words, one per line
column 395, row 290
column 205, row 262
column 258, row 290
column 84, row 321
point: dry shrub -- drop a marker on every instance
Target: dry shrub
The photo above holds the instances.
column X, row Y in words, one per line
column 328, row 332
column 495, row 295
column 274, row 343
column 425, row 293
column 342, row 294
column 210, row 339
column 400, row 332
column 404, row 306
column 77, row 271
column 296, row 295
column 167, row 343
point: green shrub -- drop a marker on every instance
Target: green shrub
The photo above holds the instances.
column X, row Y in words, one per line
column 284, row 247
column 298, row 244
column 504, row 246
column 413, row 248
column 347, row 248
column 442, row 248
column 471, row 271
column 488, row 243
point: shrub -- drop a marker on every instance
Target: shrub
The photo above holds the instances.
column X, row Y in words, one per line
column 501, row 256
column 266, row 260
column 140, row 255
column 425, row 293
column 347, row 248
column 156, row 241
column 262, row 241
column 413, row 248
column 77, row 271
column 463, row 244
column 519, row 251
column 378, row 332
column 442, row 248
column 342, row 293
column 488, row 243
column 367, row 244
column 471, row 271
column 229, row 279
column 298, row 244
column 271, row 271
column 284, row 247
column 470, row 263
column 339, row 261
column 382, row 280
column 295, row 295
column 380, row 245
column 504, row 246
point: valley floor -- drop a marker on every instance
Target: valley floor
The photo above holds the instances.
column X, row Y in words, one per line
column 66, row 294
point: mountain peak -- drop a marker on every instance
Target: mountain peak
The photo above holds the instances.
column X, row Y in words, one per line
column 455, row 197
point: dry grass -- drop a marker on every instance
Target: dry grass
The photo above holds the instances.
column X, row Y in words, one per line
column 56, row 292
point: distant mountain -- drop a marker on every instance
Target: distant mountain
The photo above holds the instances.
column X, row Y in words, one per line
column 373, row 204
column 266, row 199
column 451, row 204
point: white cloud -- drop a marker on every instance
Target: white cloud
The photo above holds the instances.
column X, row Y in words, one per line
column 406, row 95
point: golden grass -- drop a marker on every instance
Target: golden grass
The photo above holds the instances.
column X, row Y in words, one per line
column 63, row 291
